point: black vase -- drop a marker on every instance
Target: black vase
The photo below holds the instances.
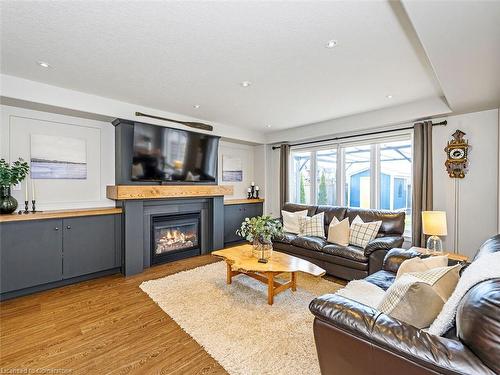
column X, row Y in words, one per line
column 8, row 204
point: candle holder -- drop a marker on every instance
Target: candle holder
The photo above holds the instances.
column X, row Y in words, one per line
column 256, row 194
column 33, row 206
column 249, row 195
column 26, row 207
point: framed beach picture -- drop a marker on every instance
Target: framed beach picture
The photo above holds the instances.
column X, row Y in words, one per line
column 56, row 157
column 231, row 169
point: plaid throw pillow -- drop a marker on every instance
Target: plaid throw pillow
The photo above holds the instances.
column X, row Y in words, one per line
column 312, row 225
column 362, row 233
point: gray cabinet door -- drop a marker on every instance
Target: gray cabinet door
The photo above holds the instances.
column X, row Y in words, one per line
column 89, row 245
column 30, row 253
column 234, row 215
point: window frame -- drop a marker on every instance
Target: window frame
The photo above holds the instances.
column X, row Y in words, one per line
column 340, row 146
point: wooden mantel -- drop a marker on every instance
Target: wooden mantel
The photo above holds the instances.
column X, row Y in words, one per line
column 128, row 192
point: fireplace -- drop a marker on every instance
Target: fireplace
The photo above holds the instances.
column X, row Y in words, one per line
column 175, row 237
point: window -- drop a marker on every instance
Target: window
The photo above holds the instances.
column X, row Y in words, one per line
column 314, row 177
column 357, row 172
column 300, row 191
column 395, row 178
column 365, row 174
column 326, row 177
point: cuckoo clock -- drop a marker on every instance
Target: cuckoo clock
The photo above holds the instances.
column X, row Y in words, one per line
column 456, row 152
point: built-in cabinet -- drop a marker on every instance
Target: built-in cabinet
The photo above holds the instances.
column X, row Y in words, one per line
column 234, row 215
column 38, row 252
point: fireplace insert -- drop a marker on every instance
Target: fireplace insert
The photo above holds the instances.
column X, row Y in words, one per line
column 175, row 237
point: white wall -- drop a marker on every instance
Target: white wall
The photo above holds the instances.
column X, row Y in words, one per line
column 246, row 154
column 65, row 100
column 471, row 204
column 19, row 124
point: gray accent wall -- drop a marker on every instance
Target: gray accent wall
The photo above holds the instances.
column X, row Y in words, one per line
column 137, row 226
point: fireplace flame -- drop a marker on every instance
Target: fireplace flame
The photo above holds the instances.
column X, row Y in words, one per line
column 173, row 239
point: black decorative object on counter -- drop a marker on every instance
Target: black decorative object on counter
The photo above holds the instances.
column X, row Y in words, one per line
column 26, row 207
column 33, row 206
column 8, row 204
column 253, row 191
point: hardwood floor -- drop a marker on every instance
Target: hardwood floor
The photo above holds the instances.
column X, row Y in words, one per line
column 103, row 326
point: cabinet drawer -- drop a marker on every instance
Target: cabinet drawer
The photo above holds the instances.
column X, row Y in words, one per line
column 30, row 253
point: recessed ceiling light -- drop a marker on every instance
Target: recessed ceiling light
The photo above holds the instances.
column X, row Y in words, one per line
column 196, row 106
column 268, row 126
column 245, row 83
column 331, row 43
column 388, row 96
column 43, row 64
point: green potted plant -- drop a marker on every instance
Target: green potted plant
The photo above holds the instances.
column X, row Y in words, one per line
column 10, row 174
column 260, row 230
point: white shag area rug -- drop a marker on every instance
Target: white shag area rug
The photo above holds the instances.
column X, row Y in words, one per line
column 235, row 324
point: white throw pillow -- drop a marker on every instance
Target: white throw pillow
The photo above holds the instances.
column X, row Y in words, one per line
column 338, row 232
column 291, row 221
column 362, row 233
column 421, row 265
column 312, row 226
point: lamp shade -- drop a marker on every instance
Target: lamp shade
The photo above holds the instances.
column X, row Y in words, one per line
column 434, row 223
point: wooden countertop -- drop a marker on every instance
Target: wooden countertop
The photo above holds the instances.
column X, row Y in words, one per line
column 228, row 202
column 60, row 214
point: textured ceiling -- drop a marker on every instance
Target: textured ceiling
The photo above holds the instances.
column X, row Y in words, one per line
column 173, row 55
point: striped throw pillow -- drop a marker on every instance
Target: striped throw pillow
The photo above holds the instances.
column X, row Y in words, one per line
column 312, row 225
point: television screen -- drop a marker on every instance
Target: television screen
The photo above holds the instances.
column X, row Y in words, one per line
column 167, row 154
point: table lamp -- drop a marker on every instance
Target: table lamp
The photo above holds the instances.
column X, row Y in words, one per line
column 434, row 224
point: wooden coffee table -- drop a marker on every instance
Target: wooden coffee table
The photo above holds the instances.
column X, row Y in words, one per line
column 239, row 260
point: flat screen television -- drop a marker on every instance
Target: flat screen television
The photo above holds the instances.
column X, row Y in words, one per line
column 173, row 155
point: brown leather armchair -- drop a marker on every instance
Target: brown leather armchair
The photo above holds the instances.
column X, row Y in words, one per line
column 352, row 338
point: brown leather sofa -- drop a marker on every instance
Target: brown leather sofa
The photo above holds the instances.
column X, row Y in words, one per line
column 346, row 262
column 354, row 339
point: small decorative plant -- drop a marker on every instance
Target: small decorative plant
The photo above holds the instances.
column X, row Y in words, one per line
column 10, row 174
column 260, row 229
column 13, row 174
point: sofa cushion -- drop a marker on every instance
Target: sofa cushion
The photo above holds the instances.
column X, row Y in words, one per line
column 291, row 220
column 285, row 238
column 420, row 265
column 396, row 256
column 417, row 298
column 361, row 233
column 393, row 222
column 350, row 252
column 338, row 232
column 382, row 279
column 312, row 226
column 294, row 207
column 310, row 243
column 331, row 212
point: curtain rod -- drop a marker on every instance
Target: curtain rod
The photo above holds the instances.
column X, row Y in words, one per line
column 442, row 123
